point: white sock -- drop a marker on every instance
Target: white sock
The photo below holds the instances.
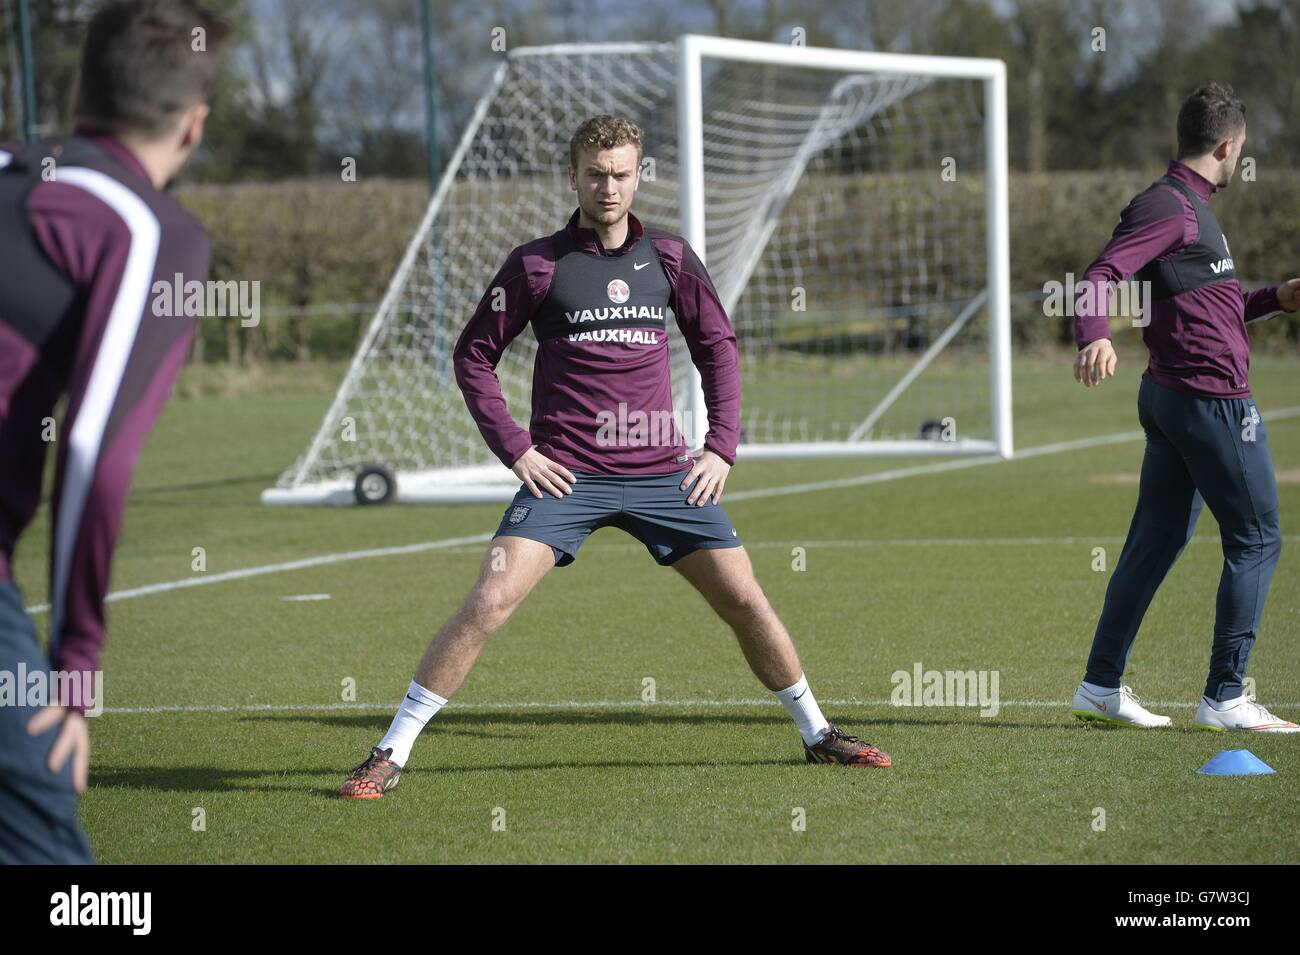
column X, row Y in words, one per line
column 1222, row 705
column 416, row 710
column 799, row 702
column 1096, row 690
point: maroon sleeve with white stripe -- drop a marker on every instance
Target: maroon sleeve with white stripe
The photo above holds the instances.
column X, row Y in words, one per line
column 115, row 239
column 1261, row 303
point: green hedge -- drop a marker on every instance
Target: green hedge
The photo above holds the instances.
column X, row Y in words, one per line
column 320, row 242
column 308, row 244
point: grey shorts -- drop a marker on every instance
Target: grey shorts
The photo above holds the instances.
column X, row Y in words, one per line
column 650, row 507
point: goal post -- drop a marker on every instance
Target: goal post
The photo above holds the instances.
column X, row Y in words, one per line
column 692, row 50
column 851, row 208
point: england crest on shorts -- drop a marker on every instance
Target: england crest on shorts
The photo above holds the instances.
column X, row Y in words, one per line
column 518, row 513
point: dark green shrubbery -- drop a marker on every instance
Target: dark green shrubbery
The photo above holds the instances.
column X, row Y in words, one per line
column 315, row 243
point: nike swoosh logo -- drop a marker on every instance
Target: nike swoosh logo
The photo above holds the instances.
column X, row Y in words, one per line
column 801, row 695
column 638, row 268
column 413, row 699
column 1100, row 706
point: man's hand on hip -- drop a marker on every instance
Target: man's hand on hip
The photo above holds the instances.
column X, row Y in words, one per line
column 712, row 472
column 539, row 472
column 72, row 740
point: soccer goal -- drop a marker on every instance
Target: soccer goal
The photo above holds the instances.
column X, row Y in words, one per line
column 851, row 208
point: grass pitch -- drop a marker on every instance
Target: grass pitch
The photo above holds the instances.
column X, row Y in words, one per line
column 227, row 698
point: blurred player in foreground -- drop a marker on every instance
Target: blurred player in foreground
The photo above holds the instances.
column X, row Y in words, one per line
column 85, row 233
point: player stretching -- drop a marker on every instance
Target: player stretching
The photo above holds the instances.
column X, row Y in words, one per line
column 597, row 293
column 85, row 232
column 1205, row 440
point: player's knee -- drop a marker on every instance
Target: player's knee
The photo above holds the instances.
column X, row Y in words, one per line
column 493, row 602
column 1271, row 533
column 1257, row 545
column 744, row 602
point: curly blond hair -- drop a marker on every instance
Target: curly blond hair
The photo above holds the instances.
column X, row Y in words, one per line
column 604, row 132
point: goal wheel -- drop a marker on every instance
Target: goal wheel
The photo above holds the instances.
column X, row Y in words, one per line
column 931, row 430
column 375, row 485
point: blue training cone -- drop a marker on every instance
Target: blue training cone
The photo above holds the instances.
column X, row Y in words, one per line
column 1236, row 762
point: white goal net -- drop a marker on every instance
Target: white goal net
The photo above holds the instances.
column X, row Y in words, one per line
column 850, row 208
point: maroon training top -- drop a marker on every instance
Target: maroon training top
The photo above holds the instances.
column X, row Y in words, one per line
column 83, row 239
column 1197, row 339
column 602, row 388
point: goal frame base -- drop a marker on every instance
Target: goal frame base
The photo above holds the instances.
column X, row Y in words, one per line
column 499, row 485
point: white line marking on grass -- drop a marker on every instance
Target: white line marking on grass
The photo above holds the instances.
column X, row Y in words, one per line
column 852, row 542
column 878, row 477
column 579, row 705
column 965, row 541
column 305, row 598
column 281, row 568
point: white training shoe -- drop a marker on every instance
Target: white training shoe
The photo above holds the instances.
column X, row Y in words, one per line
column 1243, row 713
column 1120, row 707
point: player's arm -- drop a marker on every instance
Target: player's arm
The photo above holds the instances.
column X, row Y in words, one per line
column 122, row 369
column 1153, row 225
column 502, row 313
column 712, row 344
column 97, row 457
column 1262, row 304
